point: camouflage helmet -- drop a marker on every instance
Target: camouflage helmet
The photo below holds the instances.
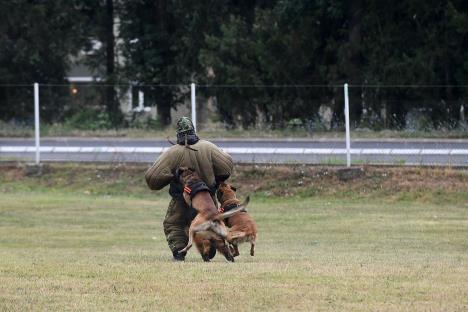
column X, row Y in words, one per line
column 184, row 124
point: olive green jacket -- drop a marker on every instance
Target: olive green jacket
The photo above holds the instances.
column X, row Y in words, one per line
column 209, row 161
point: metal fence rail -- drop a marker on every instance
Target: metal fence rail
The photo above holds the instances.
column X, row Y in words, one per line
column 347, row 153
column 408, row 156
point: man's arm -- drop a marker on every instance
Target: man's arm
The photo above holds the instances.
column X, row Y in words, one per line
column 222, row 164
column 160, row 173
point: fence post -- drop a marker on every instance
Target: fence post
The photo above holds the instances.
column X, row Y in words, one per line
column 36, row 122
column 348, row 137
column 194, row 106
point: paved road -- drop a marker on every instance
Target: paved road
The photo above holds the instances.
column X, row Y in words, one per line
column 249, row 143
column 426, row 152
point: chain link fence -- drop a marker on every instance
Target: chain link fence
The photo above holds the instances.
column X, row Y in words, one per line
column 256, row 123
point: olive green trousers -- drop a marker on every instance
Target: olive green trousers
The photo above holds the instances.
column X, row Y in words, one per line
column 176, row 224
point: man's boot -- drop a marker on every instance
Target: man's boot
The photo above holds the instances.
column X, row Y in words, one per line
column 178, row 256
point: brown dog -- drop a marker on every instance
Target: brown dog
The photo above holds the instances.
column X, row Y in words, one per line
column 207, row 228
column 242, row 227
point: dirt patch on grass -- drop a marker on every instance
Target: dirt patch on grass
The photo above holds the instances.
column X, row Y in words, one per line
column 412, row 183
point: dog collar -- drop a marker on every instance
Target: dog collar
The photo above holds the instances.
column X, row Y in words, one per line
column 227, row 208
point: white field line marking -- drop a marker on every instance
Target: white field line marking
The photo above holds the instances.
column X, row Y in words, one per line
column 459, row 152
column 405, row 151
column 236, row 150
column 435, row 152
column 13, row 149
column 375, row 151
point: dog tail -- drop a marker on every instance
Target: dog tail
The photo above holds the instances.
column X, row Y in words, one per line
column 235, row 234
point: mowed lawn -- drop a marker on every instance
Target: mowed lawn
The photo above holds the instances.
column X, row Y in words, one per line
column 64, row 251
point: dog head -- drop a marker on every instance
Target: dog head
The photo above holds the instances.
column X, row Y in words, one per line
column 185, row 175
column 227, row 192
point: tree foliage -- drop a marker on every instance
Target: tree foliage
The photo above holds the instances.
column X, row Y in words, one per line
column 36, row 41
column 253, row 49
column 331, row 42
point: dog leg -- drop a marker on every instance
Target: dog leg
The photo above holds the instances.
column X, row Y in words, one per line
column 228, row 255
column 236, row 250
column 205, row 252
column 214, row 227
column 235, row 234
column 218, row 229
column 190, row 242
column 252, row 247
column 232, row 249
column 202, row 227
column 205, row 226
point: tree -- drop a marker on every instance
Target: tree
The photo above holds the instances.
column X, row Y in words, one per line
column 416, row 43
column 148, row 31
column 111, row 102
column 100, row 16
column 166, row 44
column 162, row 40
column 36, row 41
column 281, row 45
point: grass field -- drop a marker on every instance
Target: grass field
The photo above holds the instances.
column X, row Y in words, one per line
column 72, row 242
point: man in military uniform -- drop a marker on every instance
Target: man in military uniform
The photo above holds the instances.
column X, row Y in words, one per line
column 209, row 161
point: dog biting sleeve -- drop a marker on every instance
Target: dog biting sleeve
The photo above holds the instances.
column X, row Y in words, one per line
column 194, row 188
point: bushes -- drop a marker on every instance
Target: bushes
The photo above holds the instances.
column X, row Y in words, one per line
column 92, row 119
column 89, row 119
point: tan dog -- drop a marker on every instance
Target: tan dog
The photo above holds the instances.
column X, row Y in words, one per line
column 242, row 227
column 207, row 228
